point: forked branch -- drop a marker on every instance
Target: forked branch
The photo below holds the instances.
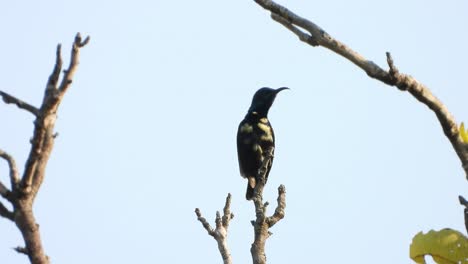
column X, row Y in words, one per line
column 24, row 190
column 221, row 231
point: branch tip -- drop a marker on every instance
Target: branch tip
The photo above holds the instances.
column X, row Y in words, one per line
column 21, row 250
column 80, row 43
column 463, row 201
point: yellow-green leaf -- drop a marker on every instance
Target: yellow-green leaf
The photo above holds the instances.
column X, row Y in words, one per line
column 446, row 246
column 463, row 133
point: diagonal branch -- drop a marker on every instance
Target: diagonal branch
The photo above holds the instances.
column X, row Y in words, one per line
column 316, row 36
column 221, row 231
column 4, row 192
column 14, row 175
column 10, row 99
column 4, row 212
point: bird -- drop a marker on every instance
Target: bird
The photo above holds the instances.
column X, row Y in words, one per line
column 255, row 138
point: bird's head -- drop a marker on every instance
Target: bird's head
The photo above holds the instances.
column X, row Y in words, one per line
column 263, row 99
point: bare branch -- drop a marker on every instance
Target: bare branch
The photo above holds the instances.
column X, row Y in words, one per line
column 309, row 39
column 263, row 223
column 205, row 223
column 227, row 214
column 4, row 212
column 221, row 231
column 42, row 144
column 55, row 75
column 316, row 36
column 74, row 61
column 279, row 212
column 44, row 135
column 21, row 250
column 464, row 202
column 14, row 175
column 10, row 99
column 4, row 192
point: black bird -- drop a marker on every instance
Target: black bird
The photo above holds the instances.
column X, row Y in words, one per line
column 255, row 136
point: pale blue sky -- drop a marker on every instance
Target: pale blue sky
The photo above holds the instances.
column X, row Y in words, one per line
column 147, row 131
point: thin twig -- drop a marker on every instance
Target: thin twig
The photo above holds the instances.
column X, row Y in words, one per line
column 279, row 211
column 21, row 250
column 4, row 192
column 205, row 223
column 74, row 61
column 464, row 202
column 4, row 212
column 221, row 231
column 10, row 99
column 14, row 174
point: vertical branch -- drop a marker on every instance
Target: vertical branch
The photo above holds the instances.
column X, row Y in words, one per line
column 25, row 189
column 262, row 223
column 221, row 231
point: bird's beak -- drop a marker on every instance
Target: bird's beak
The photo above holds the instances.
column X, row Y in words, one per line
column 281, row 89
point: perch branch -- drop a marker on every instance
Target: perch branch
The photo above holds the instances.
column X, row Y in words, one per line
column 221, row 231
column 9, row 99
column 312, row 34
column 262, row 223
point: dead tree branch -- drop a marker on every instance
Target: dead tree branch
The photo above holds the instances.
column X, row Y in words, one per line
column 9, row 99
column 24, row 190
column 4, row 212
column 221, row 231
column 262, row 223
column 312, row 34
column 464, row 202
column 14, row 174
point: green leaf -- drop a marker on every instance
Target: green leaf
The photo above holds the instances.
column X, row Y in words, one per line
column 446, row 246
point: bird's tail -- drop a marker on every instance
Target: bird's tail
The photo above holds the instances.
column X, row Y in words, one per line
column 250, row 188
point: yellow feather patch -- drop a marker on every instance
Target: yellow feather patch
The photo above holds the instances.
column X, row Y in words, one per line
column 246, row 128
column 257, row 148
column 268, row 136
